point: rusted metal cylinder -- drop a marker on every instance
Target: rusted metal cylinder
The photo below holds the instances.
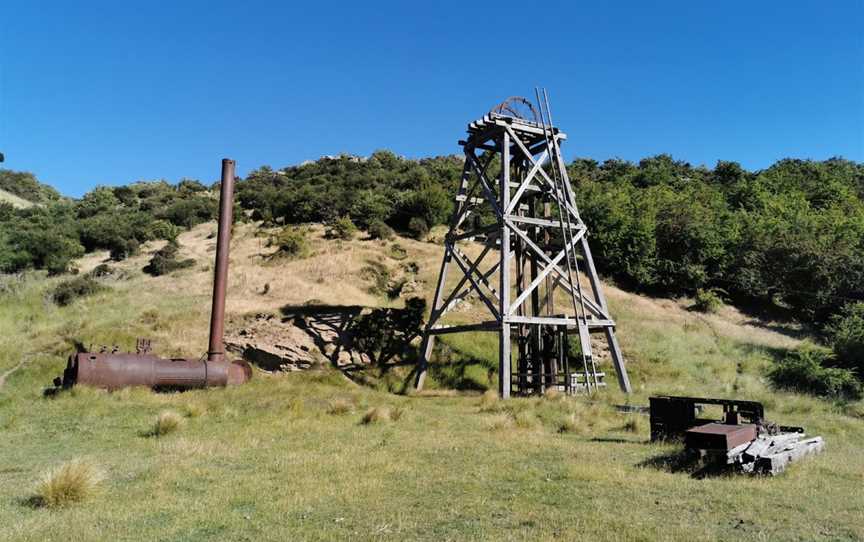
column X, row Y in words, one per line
column 113, row 371
column 216, row 350
column 120, row 370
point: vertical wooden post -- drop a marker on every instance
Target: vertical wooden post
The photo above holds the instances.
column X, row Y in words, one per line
column 504, row 378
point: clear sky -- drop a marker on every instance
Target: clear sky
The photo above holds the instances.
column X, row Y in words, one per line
column 112, row 92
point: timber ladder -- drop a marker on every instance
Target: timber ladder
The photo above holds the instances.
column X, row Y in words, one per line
column 515, row 201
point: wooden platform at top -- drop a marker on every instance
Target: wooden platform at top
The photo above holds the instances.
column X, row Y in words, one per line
column 520, row 126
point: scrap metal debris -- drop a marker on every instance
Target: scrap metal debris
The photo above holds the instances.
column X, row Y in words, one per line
column 754, row 447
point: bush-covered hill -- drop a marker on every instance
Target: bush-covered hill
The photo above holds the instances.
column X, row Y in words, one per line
column 789, row 238
column 26, row 186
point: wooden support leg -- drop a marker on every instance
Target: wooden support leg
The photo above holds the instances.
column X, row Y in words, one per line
column 618, row 361
column 504, row 378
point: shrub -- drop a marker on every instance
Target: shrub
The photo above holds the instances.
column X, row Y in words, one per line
column 846, row 335
column 398, row 252
column 379, row 275
column 120, row 249
column 384, row 334
column 68, row 291
column 291, row 243
column 165, row 261
column 807, row 369
column 707, row 301
column 380, row 230
column 341, row 228
column 166, row 423
column 418, row 228
column 70, row 483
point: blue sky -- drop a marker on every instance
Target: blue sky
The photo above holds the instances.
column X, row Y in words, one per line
column 111, row 92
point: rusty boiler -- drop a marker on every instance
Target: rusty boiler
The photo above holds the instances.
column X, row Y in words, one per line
column 113, row 370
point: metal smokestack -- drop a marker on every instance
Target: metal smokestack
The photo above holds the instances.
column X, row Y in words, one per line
column 115, row 370
column 216, row 350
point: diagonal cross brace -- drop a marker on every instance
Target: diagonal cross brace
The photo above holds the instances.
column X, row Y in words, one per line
column 552, row 265
column 528, row 156
column 594, row 307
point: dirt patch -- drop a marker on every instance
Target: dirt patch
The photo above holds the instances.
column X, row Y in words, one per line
column 298, row 340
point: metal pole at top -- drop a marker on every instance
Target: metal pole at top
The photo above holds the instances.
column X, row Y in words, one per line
column 216, row 349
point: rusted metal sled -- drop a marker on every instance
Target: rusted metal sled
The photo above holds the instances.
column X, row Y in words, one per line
column 755, row 446
column 113, row 370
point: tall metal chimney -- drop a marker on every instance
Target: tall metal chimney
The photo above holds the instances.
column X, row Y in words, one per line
column 216, row 350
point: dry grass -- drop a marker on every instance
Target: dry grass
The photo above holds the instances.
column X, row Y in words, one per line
column 499, row 422
column 489, row 401
column 166, row 423
column 569, row 424
column 634, row 424
column 377, row 414
column 525, row 420
column 69, row 483
column 194, row 410
column 278, row 470
column 340, row 407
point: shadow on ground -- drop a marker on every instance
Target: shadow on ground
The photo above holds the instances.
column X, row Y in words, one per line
column 687, row 463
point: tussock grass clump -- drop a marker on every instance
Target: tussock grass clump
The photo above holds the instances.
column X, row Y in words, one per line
column 397, row 252
column 634, row 424
column 340, row 407
column 166, row 423
column 489, row 401
column 525, row 419
column 69, row 483
column 499, row 422
column 570, row 424
column 553, row 394
column 194, row 410
column 376, row 415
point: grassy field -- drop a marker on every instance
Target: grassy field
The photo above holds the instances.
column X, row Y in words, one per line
column 288, row 456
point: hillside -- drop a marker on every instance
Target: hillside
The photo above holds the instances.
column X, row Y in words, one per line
column 15, row 201
column 286, row 456
column 22, row 189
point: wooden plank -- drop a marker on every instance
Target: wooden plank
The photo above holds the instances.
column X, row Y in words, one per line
column 483, row 326
column 569, row 322
column 504, row 377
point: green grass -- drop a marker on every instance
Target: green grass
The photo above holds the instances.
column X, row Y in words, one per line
column 289, row 457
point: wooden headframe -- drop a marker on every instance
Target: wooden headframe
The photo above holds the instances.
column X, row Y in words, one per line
column 514, row 168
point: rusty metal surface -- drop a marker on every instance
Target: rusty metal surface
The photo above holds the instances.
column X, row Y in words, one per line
column 113, row 370
column 517, row 107
column 216, row 350
column 719, row 436
column 671, row 416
